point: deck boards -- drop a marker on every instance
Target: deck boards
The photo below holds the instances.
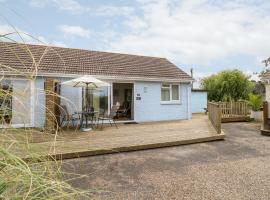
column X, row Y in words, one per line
column 130, row 137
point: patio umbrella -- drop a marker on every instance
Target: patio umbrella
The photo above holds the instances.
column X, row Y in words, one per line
column 88, row 82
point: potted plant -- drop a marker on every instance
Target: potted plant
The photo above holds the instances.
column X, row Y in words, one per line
column 255, row 102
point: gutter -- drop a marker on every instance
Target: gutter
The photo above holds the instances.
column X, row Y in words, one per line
column 156, row 79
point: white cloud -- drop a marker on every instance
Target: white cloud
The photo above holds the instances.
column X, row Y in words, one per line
column 14, row 34
column 41, row 40
column 135, row 23
column 198, row 32
column 75, row 31
column 38, row 3
column 9, row 33
column 253, row 75
column 68, row 5
column 5, row 29
column 106, row 10
column 75, row 7
column 58, row 44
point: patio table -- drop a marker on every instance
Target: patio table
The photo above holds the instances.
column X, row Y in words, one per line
column 85, row 115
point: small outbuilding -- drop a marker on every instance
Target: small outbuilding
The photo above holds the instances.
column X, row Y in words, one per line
column 198, row 100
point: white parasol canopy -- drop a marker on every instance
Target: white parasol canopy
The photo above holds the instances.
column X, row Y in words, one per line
column 86, row 81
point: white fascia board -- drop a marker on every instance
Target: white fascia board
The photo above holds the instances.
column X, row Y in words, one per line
column 120, row 78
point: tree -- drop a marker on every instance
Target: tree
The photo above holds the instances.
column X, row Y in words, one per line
column 259, row 88
column 266, row 61
column 227, row 85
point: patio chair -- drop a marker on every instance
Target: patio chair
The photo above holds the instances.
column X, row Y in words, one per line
column 124, row 110
column 109, row 117
column 66, row 117
column 92, row 115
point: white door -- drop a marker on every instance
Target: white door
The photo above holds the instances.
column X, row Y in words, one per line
column 22, row 103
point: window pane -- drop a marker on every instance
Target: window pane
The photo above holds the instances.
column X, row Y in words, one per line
column 21, row 102
column 175, row 92
column 98, row 99
column 166, row 85
column 165, row 94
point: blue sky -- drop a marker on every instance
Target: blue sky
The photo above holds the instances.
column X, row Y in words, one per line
column 208, row 35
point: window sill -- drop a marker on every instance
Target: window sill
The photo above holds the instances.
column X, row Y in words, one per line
column 170, row 102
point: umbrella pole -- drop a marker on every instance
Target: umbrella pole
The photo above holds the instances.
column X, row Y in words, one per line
column 87, row 102
column 83, row 99
column 87, row 96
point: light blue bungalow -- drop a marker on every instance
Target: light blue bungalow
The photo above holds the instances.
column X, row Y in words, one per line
column 145, row 88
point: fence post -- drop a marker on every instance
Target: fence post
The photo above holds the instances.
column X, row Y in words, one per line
column 265, row 115
column 214, row 115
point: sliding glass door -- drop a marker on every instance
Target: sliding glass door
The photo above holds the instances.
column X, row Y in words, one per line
column 96, row 98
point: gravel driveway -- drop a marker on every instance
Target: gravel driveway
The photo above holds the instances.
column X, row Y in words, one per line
column 237, row 168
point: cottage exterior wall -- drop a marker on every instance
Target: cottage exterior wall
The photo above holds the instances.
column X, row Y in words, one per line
column 198, row 101
column 150, row 107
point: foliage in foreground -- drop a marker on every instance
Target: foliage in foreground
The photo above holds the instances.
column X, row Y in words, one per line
column 228, row 85
column 37, row 180
column 41, row 178
column 255, row 101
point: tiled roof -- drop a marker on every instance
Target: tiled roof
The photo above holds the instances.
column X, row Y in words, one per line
column 60, row 60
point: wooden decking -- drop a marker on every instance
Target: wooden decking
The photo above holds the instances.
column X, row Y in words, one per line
column 265, row 132
column 70, row 144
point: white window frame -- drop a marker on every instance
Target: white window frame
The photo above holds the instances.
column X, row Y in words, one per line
column 32, row 105
column 171, row 101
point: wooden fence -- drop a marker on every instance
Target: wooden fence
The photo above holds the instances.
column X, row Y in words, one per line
column 214, row 115
column 234, row 111
column 265, row 129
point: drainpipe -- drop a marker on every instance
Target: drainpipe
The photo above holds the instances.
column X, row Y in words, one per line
column 188, row 102
column 191, row 74
column 189, row 95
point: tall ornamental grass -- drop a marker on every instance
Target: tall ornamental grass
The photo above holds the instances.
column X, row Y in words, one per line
column 36, row 177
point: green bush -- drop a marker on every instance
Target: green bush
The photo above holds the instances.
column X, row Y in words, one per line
column 255, row 101
column 228, row 85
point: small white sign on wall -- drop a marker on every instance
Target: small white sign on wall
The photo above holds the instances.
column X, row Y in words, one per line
column 145, row 89
column 138, row 97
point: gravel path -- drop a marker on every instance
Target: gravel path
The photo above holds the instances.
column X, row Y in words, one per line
column 237, row 168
